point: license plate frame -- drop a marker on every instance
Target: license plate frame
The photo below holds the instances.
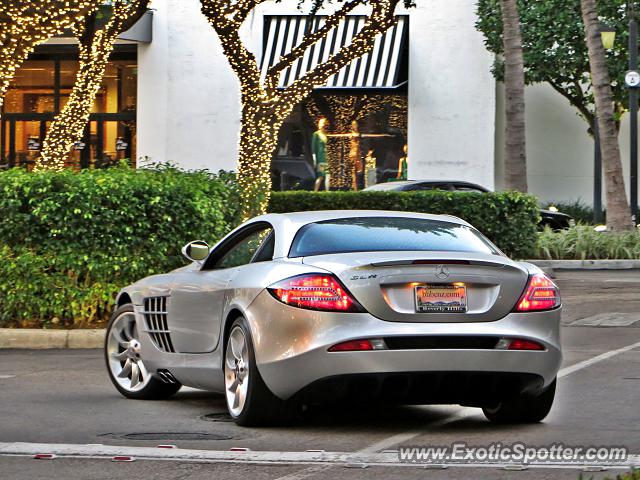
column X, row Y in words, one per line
column 426, row 298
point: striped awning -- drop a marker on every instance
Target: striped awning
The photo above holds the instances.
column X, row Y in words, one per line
column 377, row 69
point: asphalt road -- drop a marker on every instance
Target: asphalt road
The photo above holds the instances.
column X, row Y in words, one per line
column 65, row 397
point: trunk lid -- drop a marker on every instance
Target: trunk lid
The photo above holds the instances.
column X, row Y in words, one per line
column 384, row 282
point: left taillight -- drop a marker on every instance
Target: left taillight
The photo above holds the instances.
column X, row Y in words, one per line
column 541, row 294
column 315, row 292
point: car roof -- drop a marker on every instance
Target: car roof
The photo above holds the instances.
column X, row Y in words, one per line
column 404, row 183
column 286, row 225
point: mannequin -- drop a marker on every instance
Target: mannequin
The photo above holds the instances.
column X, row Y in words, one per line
column 370, row 174
column 403, row 164
column 319, row 152
column 355, row 158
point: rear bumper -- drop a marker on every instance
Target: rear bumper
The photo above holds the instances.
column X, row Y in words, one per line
column 291, row 347
column 473, row 389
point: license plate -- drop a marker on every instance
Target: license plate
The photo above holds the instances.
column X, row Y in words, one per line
column 441, row 298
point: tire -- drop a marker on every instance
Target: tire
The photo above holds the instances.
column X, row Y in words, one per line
column 249, row 400
column 524, row 408
column 119, row 350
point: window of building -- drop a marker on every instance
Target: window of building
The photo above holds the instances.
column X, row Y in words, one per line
column 352, row 132
column 41, row 88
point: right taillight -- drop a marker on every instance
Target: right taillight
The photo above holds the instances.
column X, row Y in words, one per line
column 541, row 294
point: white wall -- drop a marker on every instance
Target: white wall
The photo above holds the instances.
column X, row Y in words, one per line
column 451, row 94
column 559, row 149
column 188, row 101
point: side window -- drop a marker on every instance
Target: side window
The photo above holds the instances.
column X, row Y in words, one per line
column 265, row 252
column 243, row 251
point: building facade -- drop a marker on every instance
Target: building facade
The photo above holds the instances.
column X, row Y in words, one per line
column 423, row 100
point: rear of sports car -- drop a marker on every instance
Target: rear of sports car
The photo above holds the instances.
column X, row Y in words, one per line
column 409, row 310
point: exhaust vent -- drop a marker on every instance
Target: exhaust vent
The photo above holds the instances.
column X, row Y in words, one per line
column 155, row 316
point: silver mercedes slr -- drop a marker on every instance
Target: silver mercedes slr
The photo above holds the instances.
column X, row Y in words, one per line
column 343, row 306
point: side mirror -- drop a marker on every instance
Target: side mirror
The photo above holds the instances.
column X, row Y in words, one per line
column 196, row 251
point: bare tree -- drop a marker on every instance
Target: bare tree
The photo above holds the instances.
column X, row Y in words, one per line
column 26, row 23
column 515, row 155
column 264, row 106
column 95, row 46
column 618, row 214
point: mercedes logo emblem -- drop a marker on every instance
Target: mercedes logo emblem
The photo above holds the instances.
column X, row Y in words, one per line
column 442, row 271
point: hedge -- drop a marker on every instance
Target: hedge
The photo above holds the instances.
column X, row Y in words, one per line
column 69, row 241
column 509, row 219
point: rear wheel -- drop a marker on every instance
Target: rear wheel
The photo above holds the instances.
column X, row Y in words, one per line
column 524, row 408
column 125, row 364
column 249, row 400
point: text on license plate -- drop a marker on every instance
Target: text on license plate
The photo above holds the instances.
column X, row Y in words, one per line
column 441, row 298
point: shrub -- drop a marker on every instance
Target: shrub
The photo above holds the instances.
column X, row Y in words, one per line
column 583, row 242
column 508, row 219
column 71, row 240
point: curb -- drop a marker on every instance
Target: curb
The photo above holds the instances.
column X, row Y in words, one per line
column 587, row 264
column 33, row 338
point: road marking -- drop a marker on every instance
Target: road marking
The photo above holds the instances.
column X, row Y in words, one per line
column 597, row 359
column 467, row 412
column 383, row 444
column 317, row 459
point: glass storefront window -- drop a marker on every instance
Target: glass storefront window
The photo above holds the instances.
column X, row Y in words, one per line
column 42, row 87
column 119, row 87
column 68, row 72
column 32, row 89
column 343, row 142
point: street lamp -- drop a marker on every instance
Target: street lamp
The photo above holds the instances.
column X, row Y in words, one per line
column 608, row 36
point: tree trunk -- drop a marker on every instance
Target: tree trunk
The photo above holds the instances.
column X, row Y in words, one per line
column 515, row 156
column 68, row 126
column 618, row 213
column 258, row 141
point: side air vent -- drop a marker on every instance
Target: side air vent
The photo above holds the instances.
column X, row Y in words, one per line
column 155, row 316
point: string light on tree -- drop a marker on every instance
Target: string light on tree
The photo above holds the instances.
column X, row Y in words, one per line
column 95, row 47
column 264, row 106
column 26, row 23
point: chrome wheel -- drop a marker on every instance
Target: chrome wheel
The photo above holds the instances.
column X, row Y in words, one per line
column 236, row 371
column 123, row 354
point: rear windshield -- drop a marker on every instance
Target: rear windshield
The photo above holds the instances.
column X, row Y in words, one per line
column 376, row 234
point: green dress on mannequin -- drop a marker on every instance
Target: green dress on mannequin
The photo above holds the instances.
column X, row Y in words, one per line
column 319, row 151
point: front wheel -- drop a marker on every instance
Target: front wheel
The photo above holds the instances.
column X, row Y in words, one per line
column 524, row 408
column 125, row 364
column 249, row 400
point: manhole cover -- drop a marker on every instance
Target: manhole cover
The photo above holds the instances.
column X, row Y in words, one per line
column 217, row 417
column 169, row 436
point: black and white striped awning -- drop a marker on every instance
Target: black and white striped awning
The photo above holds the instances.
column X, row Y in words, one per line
column 377, row 69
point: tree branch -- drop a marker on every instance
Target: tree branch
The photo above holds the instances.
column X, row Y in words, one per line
column 307, row 41
column 577, row 102
column 381, row 19
column 241, row 60
column 139, row 10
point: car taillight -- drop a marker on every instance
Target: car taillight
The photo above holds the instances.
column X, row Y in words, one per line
column 518, row 344
column 315, row 292
column 541, row 294
column 362, row 345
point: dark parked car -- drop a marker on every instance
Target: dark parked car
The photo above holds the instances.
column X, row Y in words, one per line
column 553, row 219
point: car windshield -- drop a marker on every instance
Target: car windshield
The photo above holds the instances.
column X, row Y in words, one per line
column 376, row 234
